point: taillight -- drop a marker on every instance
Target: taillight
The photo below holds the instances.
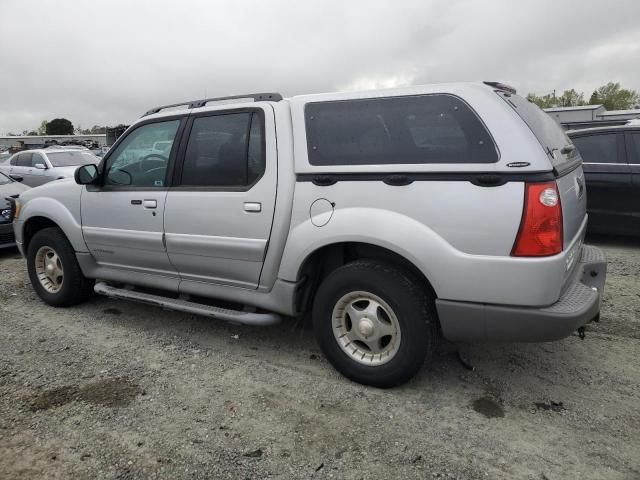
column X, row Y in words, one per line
column 540, row 232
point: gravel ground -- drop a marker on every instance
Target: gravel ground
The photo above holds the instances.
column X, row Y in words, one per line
column 118, row 390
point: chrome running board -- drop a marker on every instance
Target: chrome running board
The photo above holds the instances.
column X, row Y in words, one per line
column 229, row 315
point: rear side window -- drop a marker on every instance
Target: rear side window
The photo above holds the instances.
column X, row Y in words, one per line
column 598, row 148
column 396, row 130
column 550, row 135
column 24, row 160
column 635, row 138
column 224, row 151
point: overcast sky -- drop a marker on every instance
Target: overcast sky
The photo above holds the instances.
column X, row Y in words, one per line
column 107, row 62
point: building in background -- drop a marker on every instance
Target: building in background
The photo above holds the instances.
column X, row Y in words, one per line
column 620, row 116
column 113, row 133
column 584, row 116
column 28, row 142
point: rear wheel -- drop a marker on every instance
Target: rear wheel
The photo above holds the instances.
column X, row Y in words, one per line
column 54, row 271
column 373, row 322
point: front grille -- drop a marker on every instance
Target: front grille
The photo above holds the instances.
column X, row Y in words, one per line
column 7, row 238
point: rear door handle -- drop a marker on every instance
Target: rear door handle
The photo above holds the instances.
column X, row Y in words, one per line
column 252, row 206
column 150, row 203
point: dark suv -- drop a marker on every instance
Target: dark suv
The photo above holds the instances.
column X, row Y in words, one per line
column 611, row 157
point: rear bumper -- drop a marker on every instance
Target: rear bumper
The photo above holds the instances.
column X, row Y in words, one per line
column 578, row 305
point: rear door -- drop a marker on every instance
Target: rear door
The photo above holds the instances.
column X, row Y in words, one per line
column 632, row 138
column 608, row 177
column 564, row 158
column 219, row 212
column 21, row 167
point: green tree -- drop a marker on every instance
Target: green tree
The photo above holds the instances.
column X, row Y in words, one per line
column 96, row 129
column 42, row 129
column 614, row 97
column 571, row 98
column 59, row 126
column 81, row 131
column 544, row 101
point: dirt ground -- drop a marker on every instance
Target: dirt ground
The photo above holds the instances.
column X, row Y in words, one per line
column 119, row 390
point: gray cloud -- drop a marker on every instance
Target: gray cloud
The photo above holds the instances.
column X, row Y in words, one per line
column 107, row 62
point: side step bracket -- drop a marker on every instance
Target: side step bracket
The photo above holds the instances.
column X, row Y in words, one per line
column 234, row 316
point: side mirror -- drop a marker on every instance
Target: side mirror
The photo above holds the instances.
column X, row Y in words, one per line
column 86, row 174
column 17, row 178
column 40, row 166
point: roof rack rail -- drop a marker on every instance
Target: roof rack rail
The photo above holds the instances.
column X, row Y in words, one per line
column 257, row 97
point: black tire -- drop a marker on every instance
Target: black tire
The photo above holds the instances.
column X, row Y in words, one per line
column 411, row 303
column 75, row 286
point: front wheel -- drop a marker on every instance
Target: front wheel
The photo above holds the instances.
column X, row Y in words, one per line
column 374, row 322
column 54, row 271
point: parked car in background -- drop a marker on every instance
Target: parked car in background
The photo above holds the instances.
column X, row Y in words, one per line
column 36, row 167
column 611, row 157
column 392, row 216
column 67, row 147
column 162, row 148
column 99, row 151
column 4, row 162
column 8, row 188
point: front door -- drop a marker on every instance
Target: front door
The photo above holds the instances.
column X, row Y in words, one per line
column 38, row 174
column 220, row 209
column 122, row 220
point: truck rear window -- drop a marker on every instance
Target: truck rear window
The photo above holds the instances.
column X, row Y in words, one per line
column 421, row 129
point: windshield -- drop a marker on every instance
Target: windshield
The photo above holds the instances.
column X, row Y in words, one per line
column 4, row 179
column 70, row 159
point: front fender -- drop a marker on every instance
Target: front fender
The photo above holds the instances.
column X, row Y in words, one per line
column 56, row 211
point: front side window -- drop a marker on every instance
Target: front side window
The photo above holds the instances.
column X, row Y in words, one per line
column 135, row 162
column 396, row 130
column 36, row 158
column 601, row 148
column 224, row 151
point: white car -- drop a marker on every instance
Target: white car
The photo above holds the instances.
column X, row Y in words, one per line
column 36, row 167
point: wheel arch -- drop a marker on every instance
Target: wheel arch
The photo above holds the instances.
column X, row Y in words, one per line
column 44, row 212
column 322, row 261
column 32, row 226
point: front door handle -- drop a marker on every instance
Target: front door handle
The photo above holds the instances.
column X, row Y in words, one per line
column 150, row 204
column 252, row 206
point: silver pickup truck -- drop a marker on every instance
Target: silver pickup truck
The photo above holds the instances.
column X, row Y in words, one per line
column 392, row 216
